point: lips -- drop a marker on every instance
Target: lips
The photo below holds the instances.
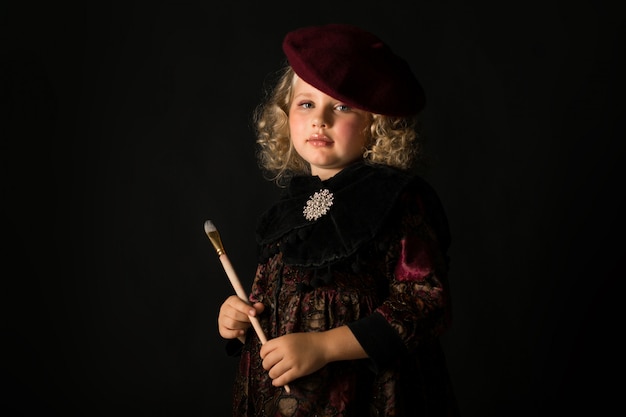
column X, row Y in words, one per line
column 317, row 138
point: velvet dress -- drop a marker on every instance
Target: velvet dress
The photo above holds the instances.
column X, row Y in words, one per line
column 366, row 248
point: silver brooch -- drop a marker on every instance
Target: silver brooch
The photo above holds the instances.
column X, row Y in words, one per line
column 318, row 204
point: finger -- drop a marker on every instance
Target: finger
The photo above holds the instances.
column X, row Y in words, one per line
column 241, row 306
column 259, row 308
column 270, row 360
column 229, row 328
column 268, row 347
column 233, row 310
column 277, row 369
column 284, row 378
column 231, row 334
column 231, row 322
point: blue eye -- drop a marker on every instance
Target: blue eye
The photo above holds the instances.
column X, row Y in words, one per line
column 306, row 105
column 342, row 107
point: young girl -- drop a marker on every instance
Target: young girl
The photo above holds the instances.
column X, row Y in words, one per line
column 351, row 285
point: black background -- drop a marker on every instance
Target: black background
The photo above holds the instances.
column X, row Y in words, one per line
column 126, row 126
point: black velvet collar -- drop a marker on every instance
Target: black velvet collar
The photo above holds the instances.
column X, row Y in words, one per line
column 363, row 196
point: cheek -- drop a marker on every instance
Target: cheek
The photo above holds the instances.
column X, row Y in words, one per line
column 295, row 124
column 355, row 131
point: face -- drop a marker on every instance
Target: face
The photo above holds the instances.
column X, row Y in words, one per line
column 326, row 133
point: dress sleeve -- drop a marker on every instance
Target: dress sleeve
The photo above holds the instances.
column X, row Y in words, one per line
column 417, row 308
column 233, row 347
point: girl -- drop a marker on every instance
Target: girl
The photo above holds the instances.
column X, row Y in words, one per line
column 351, row 285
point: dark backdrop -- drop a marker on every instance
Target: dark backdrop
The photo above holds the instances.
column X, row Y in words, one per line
column 126, row 126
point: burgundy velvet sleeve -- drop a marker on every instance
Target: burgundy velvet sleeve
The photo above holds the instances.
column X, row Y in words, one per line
column 416, row 308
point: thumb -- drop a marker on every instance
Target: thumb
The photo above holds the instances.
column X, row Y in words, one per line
column 259, row 307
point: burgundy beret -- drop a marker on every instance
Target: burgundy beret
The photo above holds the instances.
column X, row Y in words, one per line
column 356, row 67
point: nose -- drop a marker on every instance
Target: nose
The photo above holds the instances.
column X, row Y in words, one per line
column 319, row 117
column 319, row 122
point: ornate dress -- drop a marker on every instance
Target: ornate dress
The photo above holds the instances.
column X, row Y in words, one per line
column 366, row 248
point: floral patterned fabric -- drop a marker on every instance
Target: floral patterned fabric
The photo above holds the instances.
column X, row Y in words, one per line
column 392, row 292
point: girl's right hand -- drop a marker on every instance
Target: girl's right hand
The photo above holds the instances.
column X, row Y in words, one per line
column 233, row 319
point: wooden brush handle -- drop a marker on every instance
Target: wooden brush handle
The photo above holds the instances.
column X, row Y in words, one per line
column 241, row 293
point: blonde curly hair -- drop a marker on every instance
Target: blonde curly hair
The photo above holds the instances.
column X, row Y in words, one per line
column 390, row 140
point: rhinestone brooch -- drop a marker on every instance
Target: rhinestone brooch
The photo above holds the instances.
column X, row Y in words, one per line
column 318, row 204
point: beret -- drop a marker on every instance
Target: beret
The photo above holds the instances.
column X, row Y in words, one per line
column 356, row 67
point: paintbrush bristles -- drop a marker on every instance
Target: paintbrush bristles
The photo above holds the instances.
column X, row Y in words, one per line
column 209, row 227
column 214, row 235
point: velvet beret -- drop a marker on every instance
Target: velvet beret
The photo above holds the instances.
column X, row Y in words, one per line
column 356, row 67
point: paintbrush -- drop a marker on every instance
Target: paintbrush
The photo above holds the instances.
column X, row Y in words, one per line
column 216, row 240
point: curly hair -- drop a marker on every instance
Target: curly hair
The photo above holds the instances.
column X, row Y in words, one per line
column 390, row 140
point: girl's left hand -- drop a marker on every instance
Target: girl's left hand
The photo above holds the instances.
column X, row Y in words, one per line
column 293, row 355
